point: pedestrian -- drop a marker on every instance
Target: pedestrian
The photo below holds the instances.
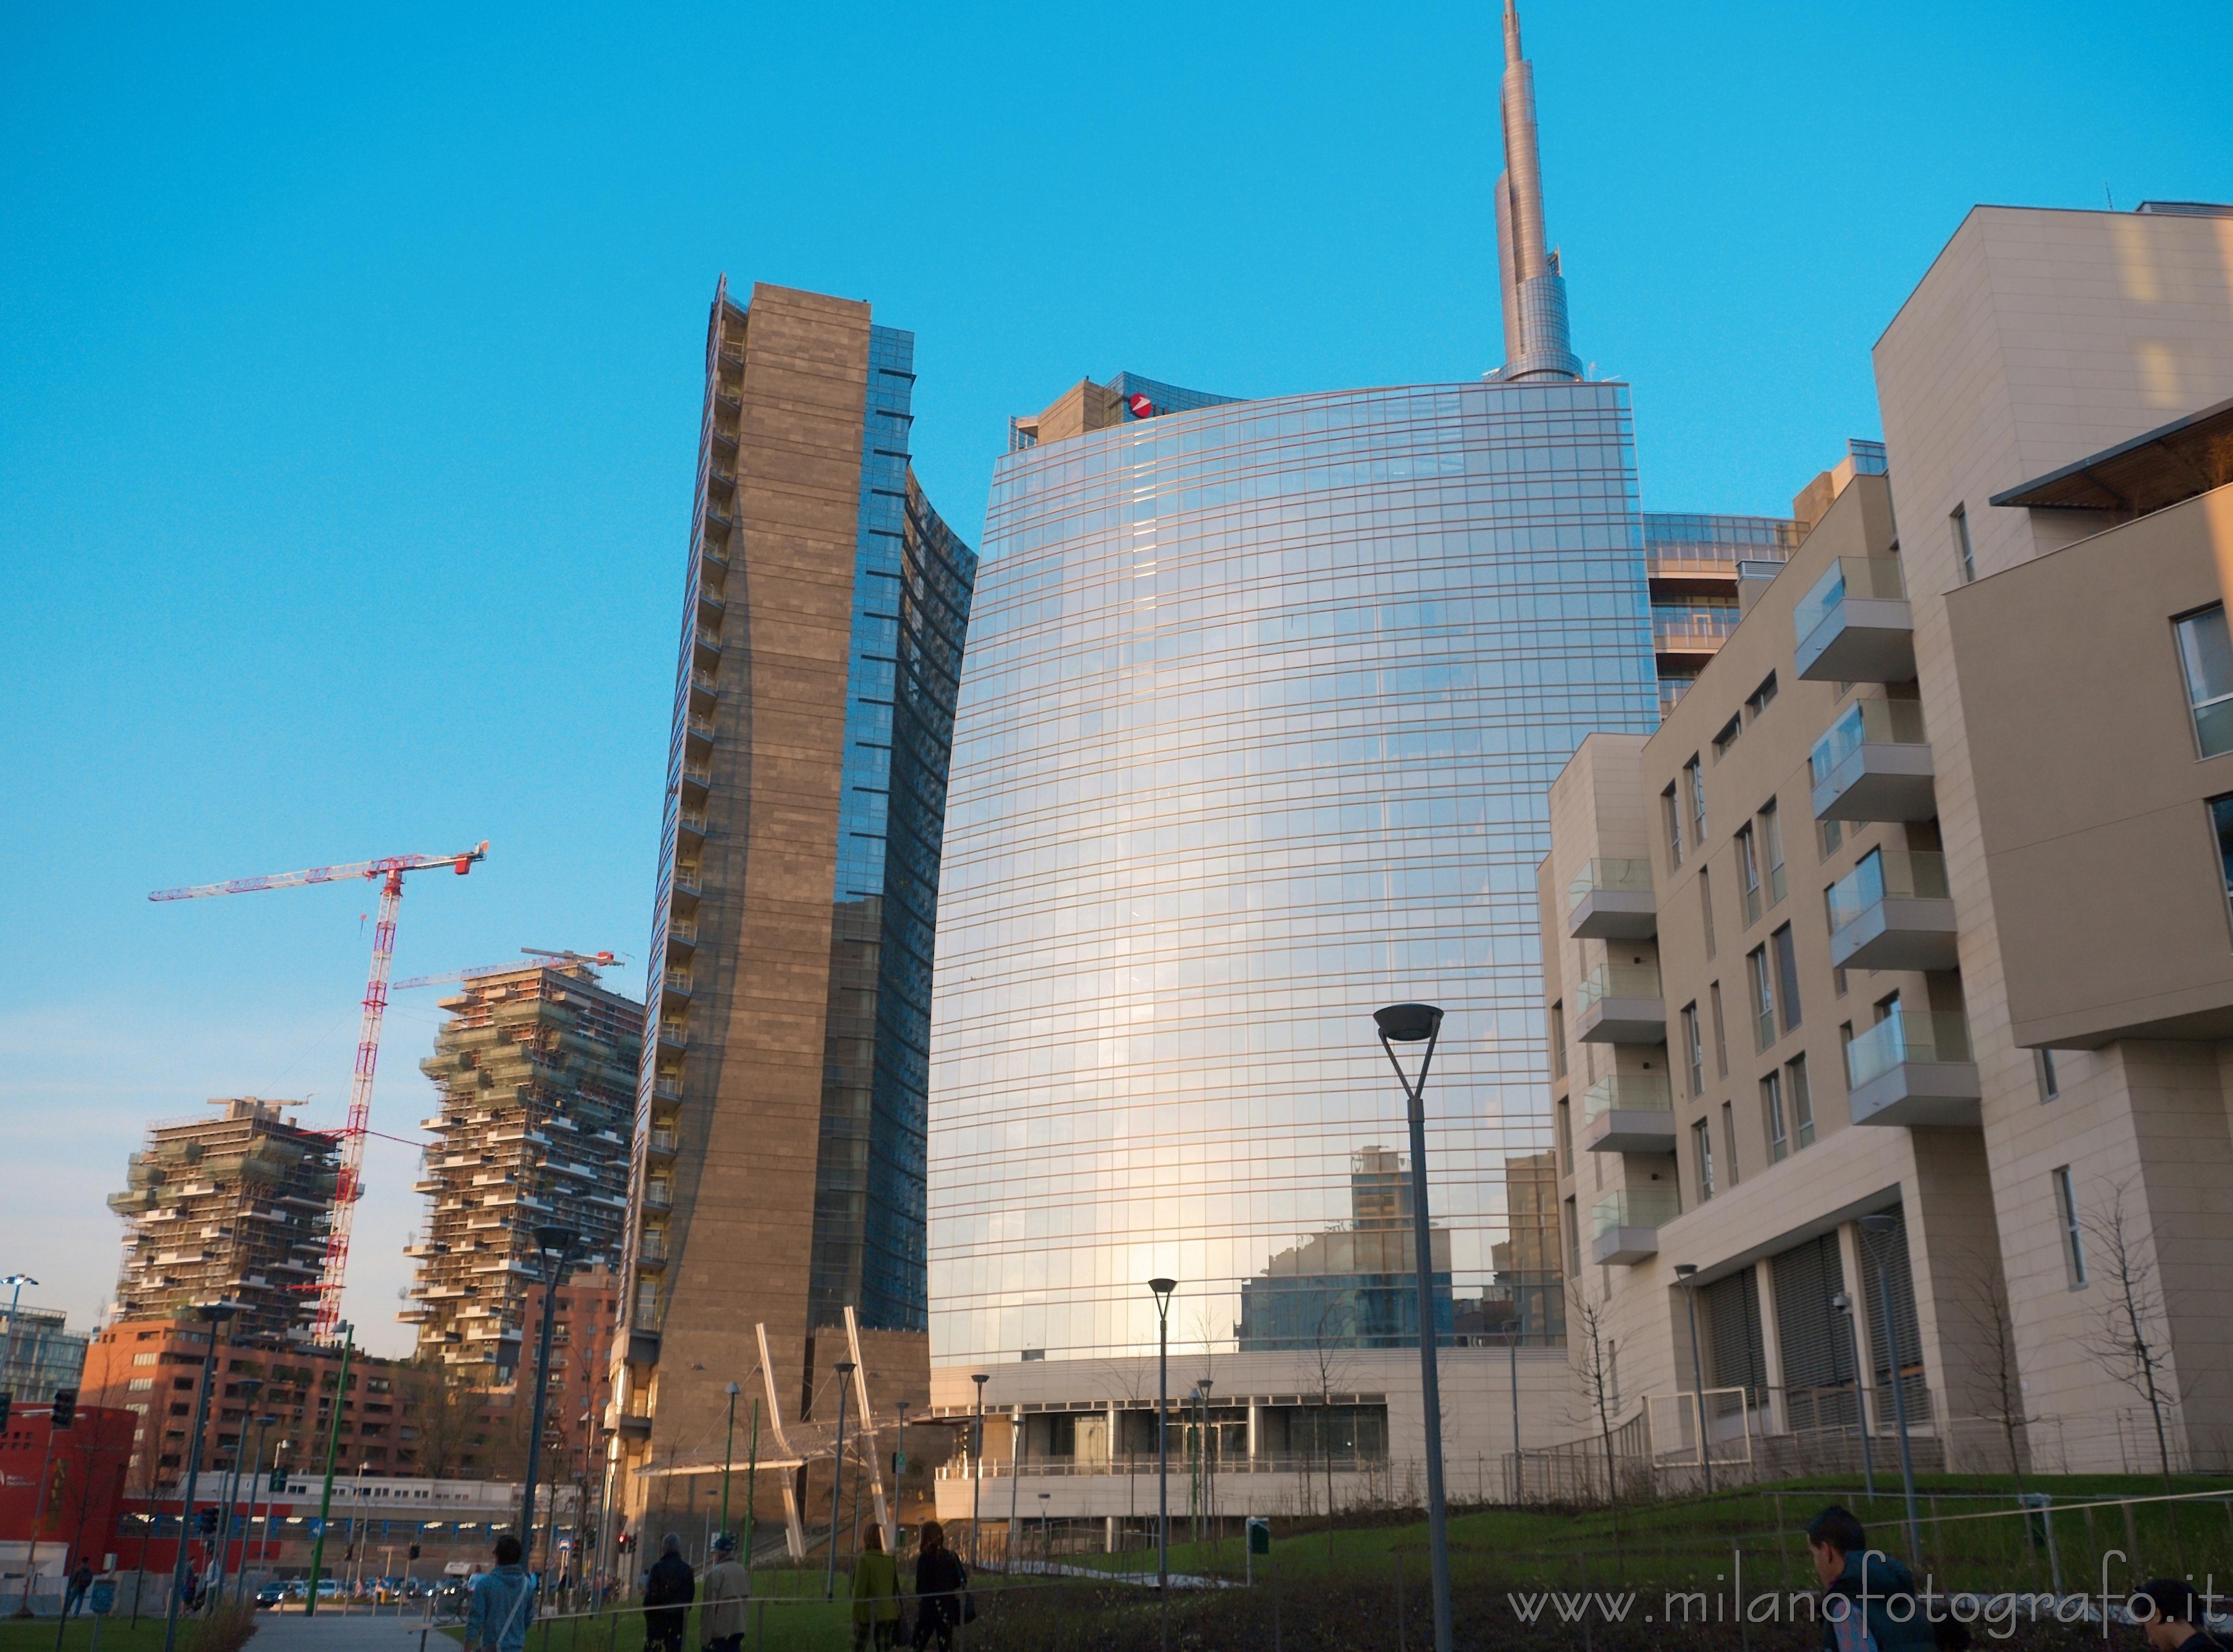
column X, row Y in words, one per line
column 503, row 1604
column 728, row 1594
column 81, row 1581
column 668, row 1589
column 2177, row 1622
column 942, row 1590
column 875, row 1595
column 1860, row 1587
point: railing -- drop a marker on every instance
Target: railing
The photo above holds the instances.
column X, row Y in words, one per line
column 1617, row 981
column 1907, row 1035
column 662, row 1141
column 1634, row 1207
column 702, row 727
column 677, row 981
column 1873, row 721
column 1915, row 874
column 1627, row 1093
column 653, row 1247
column 702, row 773
column 695, row 819
column 1143, row 1463
column 1862, row 576
column 1621, row 877
column 656, row 1196
column 1695, row 631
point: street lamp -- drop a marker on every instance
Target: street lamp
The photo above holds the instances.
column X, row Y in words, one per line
column 977, row 1462
column 728, row 1453
column 845, row 1369
column 16, row 1281
column 557, row 1244
column 1881, row 1227
column 1687, row 1273
column 213, row 1315
column 899, row 1484
column 255, row 1486
column 1844, row 1306
column 1422, row 1023
column 1162, row 1289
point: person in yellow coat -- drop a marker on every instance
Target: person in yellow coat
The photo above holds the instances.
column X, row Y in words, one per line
column 876, row 1597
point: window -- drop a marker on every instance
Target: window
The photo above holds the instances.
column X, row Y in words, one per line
column 1729, row 1138
column 1672, row 819
column 1802, row 1103
column 1694, row 1048
column 2073, row 1233
column 1837, row 981
column 1962, row 554
column 1771, row 843
column 1558, row 1039
column 1573, row 1240
column 2043, row 1063
column 1759, row 699
column 1763, row 996
column 1728, row 737
column 139, row 1385
column 1786, row 974
column 1832, row 833
column 2205, row 653
column 1771, row 1110
column 1706, row 908
column 1701, row 1156
column 1720, row 1042
column 1696, row 780
column 1565, row 1136
column 1748, row 875
column 2221, row 819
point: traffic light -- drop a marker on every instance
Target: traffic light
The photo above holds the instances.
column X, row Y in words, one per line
column 278, row 1480
column 414, row 1551
column 205, row 1522
column 65, row 1407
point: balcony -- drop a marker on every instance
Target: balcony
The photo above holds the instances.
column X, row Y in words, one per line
column 1855, row 627
column 1629, row 1113
column 1689, row 642
column 698, row 778
column 1625, row 1226
column 1892, row 911
column 661, row 1144
column 657, row 1196
column 1874, row 763
column 1612, row 900
column 1914, row 1067
column 1621, row 1004
column 708, row 639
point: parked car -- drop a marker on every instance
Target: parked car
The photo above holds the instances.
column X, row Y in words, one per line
column 269, row 1595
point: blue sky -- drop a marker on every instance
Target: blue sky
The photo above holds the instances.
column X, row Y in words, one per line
column 349, row 382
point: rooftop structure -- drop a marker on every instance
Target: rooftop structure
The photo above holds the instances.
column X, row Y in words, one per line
column 232, row 1209
column 38, row 1354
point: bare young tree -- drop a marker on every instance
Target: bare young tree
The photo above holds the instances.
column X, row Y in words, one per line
column 1330, row 1336
column 1981, row 1300
column 2131, row 1336
column 1589, row 1318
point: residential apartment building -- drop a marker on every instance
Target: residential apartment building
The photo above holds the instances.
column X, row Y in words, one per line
column 779, row 1124
column 536, row 1068
column 233, row 1208
column 1891, row 979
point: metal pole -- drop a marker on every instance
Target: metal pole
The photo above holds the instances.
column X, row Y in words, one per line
column 558, row 1244
column 837, row 1483
column 214, row 1318
column 326, row 1497
column 728, row 1454
column 899, row 1482
column 255, row 1489
column 1518, row 1462
column 1898, row 1405
column 1687, row 1272
column 977, row 1463
column 752, row 1482
column 1015, row 1478
column 1844, row 1304
column 1162, row 1289
column 1423, row 1021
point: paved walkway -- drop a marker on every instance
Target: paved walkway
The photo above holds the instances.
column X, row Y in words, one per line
column 344, row 1632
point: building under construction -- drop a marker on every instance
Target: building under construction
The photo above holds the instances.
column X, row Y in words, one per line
column 537, row 1070
column 233, row 1208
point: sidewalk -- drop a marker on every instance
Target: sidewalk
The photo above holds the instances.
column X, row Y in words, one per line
column 343, row 1632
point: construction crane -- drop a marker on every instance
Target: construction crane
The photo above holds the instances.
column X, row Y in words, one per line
column 539, row 958
column 348, row 1186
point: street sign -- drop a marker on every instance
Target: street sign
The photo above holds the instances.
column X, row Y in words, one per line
column 316, row 1528
column 1260, row 1536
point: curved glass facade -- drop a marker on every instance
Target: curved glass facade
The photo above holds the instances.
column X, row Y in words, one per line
column 1261, row 708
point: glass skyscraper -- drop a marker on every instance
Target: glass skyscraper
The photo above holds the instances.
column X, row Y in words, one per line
column 1261, row 705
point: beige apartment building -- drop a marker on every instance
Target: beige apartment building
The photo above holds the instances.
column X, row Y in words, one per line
column 1890, row 981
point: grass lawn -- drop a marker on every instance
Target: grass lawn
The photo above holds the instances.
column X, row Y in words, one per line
column 117, row 1634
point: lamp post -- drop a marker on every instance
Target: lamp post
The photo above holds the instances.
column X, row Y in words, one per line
column 728, row 1454
column 977, row 1462
column 17, row 1282
column 1686, row 1272
column 1844, row 1306
column 752, row 1481
column 326, row 1493
column 845, row 1369
column 899, row 1482
column 249, row 1387
column 1162, row 1289
column 557, row 1244
column 1422, row 1023
column 213, row 1315
column 1015, row 1477
column 255, row 1486
column 1881, row 1226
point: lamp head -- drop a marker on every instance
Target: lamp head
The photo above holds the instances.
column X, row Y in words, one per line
column 1686, row 1271
column 734, row 1390
column 980, row 1378
column 1408, row 1023
column 1880, row 1224
column 1842, row 1303
column 556, row 1237
column 217, row 1312
column 1162, row 1289
column 846, row 1367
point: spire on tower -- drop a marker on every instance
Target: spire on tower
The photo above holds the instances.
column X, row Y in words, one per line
column 1535, row 336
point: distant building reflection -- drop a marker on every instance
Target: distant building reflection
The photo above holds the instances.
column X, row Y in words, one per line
column 1352, row 1286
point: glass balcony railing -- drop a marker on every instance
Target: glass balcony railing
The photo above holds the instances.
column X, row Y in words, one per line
column 1914, row 875
column 1633, row 1207
column 1627, row 1093
column 1623, row 877
column 1858, row 577
column 1908, row 1035
column 1873, row 721
column 1693, row 633
column 1617, row 981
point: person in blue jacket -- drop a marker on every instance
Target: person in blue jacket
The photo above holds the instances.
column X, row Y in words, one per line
column 1870, row 1602
column 503, row 1604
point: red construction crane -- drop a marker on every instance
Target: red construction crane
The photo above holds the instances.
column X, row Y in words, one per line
column 348, row 1187
column 537, row 958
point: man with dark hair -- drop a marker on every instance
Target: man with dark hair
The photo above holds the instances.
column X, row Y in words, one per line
column 503, row 1605
column 1868, row 1601
column 2176, row 1621
column 668, row 1589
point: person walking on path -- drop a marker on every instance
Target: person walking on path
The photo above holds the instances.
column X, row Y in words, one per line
column 728, row 1595
column 1860, row 1587
column 81, row 1581
column 503, row 1604
column 940, row 1586
column 876, row 1597
column 668, row 1589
